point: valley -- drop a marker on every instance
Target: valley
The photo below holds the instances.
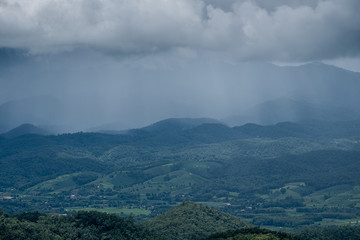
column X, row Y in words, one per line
column 287, row 175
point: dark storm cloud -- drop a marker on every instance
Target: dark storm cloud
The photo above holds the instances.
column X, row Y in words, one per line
column 276, row 30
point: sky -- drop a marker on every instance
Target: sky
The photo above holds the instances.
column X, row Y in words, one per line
column 131, row 55
column 272, row 30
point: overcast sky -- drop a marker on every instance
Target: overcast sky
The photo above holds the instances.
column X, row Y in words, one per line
column 49, row 45
column 273, row 30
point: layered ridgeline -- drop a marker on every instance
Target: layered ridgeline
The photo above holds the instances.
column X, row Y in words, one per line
column 283, row 175
column 274, row 94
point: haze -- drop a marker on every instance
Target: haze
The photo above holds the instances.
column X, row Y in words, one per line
column 86, row 64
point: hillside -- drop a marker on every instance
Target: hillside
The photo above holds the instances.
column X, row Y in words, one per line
column 192, row 221
column 82, row 225
column 282, row 175
column 95, row 225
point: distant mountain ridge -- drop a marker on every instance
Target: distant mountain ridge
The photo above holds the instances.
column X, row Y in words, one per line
column 25, row 129
column 312, row 91
column 286, row 109
column 177, row 130
column 41, row 110
column 165, row 133
column 175, row 124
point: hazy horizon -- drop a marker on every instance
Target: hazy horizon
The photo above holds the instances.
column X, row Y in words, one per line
column 135, row 62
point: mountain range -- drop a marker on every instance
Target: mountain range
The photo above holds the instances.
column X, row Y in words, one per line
column 276, row 175
column 275, row 94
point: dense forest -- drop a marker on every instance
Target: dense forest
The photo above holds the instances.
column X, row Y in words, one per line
column 82, row 225
column 287, row 175
column 192, row 221
column 187, row 221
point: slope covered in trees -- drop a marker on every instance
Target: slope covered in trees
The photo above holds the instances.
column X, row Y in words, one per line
column 192, row 221
column 252, row 234
column 186, row 221
column 82, row 225
column 282, row 175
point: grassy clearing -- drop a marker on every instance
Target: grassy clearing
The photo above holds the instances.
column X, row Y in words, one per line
column 234, row 194
column 55, row 185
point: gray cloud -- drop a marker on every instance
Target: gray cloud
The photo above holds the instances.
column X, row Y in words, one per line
column 238, row 29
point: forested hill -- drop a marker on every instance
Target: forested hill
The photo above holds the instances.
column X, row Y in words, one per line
column 199, row 220
column 80, row 226
column 95, row 225
column 30, row 159
column 193, row 221
column 282, row 175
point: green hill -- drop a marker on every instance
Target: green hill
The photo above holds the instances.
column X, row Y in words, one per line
column 193, row 221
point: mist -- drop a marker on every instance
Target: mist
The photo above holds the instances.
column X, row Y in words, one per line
column 82, row 65
column 80, row 91
column 93, row 89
